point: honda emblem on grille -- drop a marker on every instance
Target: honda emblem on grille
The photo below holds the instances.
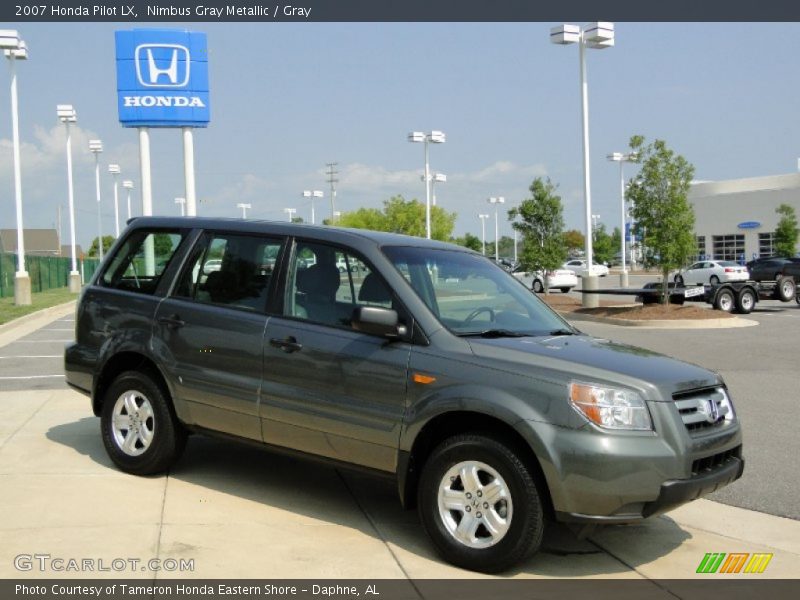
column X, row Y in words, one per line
column 712, row 414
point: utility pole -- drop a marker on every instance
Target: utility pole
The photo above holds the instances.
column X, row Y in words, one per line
column 332, row 181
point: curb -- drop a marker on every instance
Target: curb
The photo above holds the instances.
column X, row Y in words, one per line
column 729, row 323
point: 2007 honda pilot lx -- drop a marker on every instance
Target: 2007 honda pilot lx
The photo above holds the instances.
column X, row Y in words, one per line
column 418, row 358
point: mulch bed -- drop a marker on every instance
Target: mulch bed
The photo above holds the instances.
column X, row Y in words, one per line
column 568, row 304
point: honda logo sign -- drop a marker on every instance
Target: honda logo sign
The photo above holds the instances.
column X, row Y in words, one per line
column 162, row 78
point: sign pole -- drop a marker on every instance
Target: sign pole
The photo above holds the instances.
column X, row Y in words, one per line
column 147, row 197
column 188, row 171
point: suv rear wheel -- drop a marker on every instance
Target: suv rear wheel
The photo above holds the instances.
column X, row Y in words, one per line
column 140, row 431
column 479, row 504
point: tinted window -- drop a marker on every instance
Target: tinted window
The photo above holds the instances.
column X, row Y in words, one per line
column 230, row 269
column 326, row 283
column 141, row 260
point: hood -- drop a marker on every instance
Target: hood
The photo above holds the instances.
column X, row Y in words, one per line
column 580, row 356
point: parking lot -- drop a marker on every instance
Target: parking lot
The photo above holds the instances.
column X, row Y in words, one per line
column 241, row 512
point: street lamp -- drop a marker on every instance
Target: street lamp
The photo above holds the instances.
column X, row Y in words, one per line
column 622, row 158
column 114, row 170
column 483, row 231
column 496, row 201
column 595, row 219
column 312, row 194
column 96, row 147
column 182, row 203
column 436, row 178
column 244, row 206
column 435, row 137
column 15, row 49
column 594, row 36
column 128, row 185
column 290, row 212
column 66, row 114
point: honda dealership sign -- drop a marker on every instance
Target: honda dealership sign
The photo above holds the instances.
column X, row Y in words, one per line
column 162, row 78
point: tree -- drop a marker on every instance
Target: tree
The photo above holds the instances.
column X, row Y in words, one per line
column 659, row 196
column 574, row 240
column 541, row 226
column 108, row 241
column 786, row 233
column 473, row 242
column 603, row 245
column 402, row 216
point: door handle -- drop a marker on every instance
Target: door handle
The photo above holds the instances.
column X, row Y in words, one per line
column 288, row 345
column 173, row 321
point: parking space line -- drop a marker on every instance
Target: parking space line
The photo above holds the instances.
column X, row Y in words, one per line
column 39, row 341
column 35, row 356
column 32, row 377
column 63, row 329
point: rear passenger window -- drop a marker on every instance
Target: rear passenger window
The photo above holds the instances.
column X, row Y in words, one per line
column 230, row 269
column 141, row 260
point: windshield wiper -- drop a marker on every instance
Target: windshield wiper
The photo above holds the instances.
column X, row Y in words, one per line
column 493, row 333
column 562, row 332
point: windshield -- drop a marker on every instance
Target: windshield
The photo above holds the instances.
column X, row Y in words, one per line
column 728, row 263
column 472, row 296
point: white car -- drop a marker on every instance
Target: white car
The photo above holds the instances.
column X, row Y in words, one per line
column 578, row 266
column 713, row 272
column 560, row 279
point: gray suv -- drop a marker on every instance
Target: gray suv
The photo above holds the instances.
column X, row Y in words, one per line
column 417, row 359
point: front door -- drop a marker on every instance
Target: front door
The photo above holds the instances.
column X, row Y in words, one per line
column 328, row 389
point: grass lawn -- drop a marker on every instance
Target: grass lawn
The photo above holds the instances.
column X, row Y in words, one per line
column 9, row 311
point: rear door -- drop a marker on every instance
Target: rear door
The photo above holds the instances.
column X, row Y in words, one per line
column 328, row 389
column 210, row 331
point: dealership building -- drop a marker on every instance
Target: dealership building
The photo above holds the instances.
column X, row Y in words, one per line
column 736, row 219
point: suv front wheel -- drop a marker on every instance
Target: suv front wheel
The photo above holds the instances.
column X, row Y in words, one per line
column 479, row 504
column 140, row 431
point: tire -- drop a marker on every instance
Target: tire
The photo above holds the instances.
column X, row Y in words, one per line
column 725, row 301
column 713, row 280
column 517, row 517
column 565, row 290
column 157, row 439
column 538, row 287
column 785, row 289
column 679, row 280
column 745, row 301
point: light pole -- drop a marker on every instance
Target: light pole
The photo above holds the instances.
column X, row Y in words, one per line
column 435, row 137
column 114, row 170
column 516, row 237
column 96, row 147
column 496, row 201
column 622, row 158
column 15, row 49
column 594, row 36
column 436, row 178
column 336, row 215
column 128, row 185
column 595, row 219
column 290, row 212
column 66, row 114
column 182, row 203
column 312, row 194
column 483, row 231
column 244, row 206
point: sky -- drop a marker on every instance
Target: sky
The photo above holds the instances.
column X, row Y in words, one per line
column 286, row 98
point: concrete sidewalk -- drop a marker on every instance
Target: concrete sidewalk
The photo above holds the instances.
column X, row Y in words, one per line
column 239, row 512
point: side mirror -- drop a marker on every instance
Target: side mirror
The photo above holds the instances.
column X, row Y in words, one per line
column 377, row 321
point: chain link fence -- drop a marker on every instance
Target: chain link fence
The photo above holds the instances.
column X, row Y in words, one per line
column 46, row 272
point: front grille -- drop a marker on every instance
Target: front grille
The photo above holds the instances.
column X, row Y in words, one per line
column 701, row 466
column 697, row 411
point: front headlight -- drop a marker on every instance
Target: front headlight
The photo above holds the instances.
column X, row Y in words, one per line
column 611, row 408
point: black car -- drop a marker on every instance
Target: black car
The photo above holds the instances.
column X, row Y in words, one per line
column 766, row 269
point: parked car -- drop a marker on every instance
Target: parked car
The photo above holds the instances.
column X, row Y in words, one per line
column 559, row 279
column 713, row 272
column 578, row 266
column 766, row 269
column 492, row 414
